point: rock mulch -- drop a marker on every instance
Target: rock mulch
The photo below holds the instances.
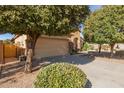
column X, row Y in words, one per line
column 18, row 80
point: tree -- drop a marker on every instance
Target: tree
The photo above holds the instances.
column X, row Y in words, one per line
column 7, row 41
column 105, row 26
column 35, row 21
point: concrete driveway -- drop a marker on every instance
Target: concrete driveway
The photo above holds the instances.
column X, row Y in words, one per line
column 102, row 72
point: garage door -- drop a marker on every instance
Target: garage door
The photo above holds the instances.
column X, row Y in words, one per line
column 46, row 47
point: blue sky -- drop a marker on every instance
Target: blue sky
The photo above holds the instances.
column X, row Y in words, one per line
column 95, row 7
column 6, row 36
column 9, row 36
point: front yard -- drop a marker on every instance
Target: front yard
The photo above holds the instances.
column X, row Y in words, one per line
column 101, row 72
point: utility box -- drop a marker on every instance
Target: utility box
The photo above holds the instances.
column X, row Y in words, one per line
column 22, row 58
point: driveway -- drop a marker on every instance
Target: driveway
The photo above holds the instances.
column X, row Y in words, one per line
column 102, row 72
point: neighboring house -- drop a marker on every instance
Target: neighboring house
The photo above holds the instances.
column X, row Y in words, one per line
column 52, row 45
column 20, row 40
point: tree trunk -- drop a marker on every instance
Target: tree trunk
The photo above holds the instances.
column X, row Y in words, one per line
column 33, row 45
column 31, row 42
column 112, row 48
column 100, row 46
column 26, row 49
column 28, row 64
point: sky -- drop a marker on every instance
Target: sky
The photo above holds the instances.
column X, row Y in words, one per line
column 95, row 7
column 9, row 36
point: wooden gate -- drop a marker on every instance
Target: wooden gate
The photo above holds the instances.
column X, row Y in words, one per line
column 1, row 53
column 9, row 51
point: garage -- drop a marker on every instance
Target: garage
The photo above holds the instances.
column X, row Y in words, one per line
column 51, row 46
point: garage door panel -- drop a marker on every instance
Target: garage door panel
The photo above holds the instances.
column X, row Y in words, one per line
column 46, row 47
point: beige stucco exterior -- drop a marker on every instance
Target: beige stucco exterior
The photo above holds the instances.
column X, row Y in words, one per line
column 75, row 38
column 52, row 45
column 20, row 41
column 49, row 46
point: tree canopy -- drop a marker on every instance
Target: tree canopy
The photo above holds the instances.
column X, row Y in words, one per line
column 34, row 21
column 105, row 25
column 49, row 20
column 41, row 20
column 7, row 41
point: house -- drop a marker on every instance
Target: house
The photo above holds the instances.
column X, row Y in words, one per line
column 52, row 45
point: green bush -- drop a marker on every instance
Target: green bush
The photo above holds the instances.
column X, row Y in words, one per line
column 60, row 75
column 86, row 47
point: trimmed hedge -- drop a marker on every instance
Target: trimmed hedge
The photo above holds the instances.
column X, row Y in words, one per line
column 60, row 75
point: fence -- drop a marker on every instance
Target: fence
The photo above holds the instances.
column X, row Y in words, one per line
column 1, row 53
column 9, row 51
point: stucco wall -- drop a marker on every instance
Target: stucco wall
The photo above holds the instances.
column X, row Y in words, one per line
column 20, row 41
column 72, row 38
column 51, row 45
column 46, row 47
column 121, row 46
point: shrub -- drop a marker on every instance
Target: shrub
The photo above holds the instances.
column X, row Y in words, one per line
column 86, row 47
column 60, row 75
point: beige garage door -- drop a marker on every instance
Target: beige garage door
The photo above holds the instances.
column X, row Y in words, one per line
column 46, row 47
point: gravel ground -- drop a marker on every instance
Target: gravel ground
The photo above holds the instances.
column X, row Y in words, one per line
column 19, row 80
column 101, row 72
